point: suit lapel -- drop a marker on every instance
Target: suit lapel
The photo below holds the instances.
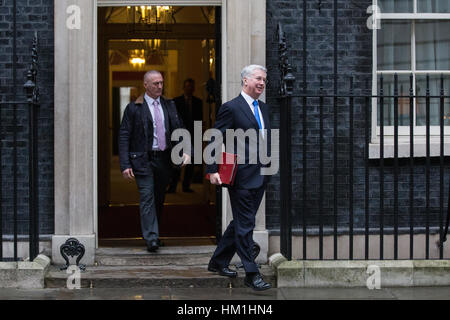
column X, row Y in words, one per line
column 245, row 108
column 147, row 114
column 147, row 120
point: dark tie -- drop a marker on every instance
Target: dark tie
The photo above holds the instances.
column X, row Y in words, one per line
column 160, row 133
column 255, row 107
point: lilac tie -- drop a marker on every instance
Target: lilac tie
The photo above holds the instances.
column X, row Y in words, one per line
column 160, row 133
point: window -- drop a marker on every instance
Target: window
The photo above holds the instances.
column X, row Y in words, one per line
column 414, row 6
column 414, row 38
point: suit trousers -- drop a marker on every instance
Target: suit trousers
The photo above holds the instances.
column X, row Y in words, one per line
column 238, row 237
column 188, row 174
column 152, row 189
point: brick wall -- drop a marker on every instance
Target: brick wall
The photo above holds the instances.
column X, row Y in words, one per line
column 354, row 59
column 32, row 15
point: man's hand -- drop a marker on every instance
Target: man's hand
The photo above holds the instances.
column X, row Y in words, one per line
column 186, row 159
column 128, row 174
column 214, row 178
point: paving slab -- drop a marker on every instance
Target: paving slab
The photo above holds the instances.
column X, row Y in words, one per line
column 141, row 294
column 223, row 294
column 421, row 293
column 201, row 294
column 336, row 294
column 86, row 294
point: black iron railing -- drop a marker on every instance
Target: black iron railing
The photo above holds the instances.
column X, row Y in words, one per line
column 334, row 149
column 32, row 101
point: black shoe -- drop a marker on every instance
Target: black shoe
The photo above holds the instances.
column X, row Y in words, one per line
column 256, row 282
column 152, row 246
column 188, row 190
column 225, row 271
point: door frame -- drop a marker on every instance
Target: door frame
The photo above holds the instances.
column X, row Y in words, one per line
column 121, row 3
column 75, row 129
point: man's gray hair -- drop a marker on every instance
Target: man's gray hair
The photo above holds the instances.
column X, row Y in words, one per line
column 248, row 71
column 151, row 72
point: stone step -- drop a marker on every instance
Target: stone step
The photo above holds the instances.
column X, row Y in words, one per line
column 165, row 256
column 173, row 276
column 134, row 267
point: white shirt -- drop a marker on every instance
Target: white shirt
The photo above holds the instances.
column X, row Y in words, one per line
column 250, row 104
column 149, row 101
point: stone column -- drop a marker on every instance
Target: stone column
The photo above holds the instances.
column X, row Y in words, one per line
column 246, row 44
column 74, row 126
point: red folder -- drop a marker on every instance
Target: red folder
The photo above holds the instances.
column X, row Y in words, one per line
column 227, row 169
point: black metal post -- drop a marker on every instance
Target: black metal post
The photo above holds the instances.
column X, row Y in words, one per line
column 321, row 167
column 1, row 194
column 366, row 168
column 381, row 168
column 14, row 61
column 427, row 172
column 395, row 167
column 411, row 167
column 351, row 103
column 304, row 148
column 335, row 106
column 35, row 152
column 286, row 89
column 31, row 176
column 441, row 167
column 33, row 203
column 286, row 180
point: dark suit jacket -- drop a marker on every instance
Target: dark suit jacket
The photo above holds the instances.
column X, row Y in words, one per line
column 236, row 114
column 187, row 117
column 136, row 133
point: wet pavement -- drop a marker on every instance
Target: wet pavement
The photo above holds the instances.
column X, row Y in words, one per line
column 413, row 293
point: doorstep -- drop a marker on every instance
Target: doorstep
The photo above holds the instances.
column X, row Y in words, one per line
column 134, row 267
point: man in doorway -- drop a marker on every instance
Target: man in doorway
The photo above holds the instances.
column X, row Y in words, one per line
column 243, row 112
column 190, row 109
column 144, row 151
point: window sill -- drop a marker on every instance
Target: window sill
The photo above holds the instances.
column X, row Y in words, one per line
column 420, row 147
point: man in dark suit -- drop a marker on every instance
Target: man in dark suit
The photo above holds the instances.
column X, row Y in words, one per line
column 145, row 151
column 190, row 109
column 243, row 112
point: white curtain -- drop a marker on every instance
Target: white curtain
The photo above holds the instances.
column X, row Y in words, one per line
column 407, row 6
column 433, row 45
column 432, row 53
column 396, row 6
column 433, row 6
column 394, row 45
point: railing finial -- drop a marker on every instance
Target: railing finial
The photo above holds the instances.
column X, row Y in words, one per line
column 287, row 78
